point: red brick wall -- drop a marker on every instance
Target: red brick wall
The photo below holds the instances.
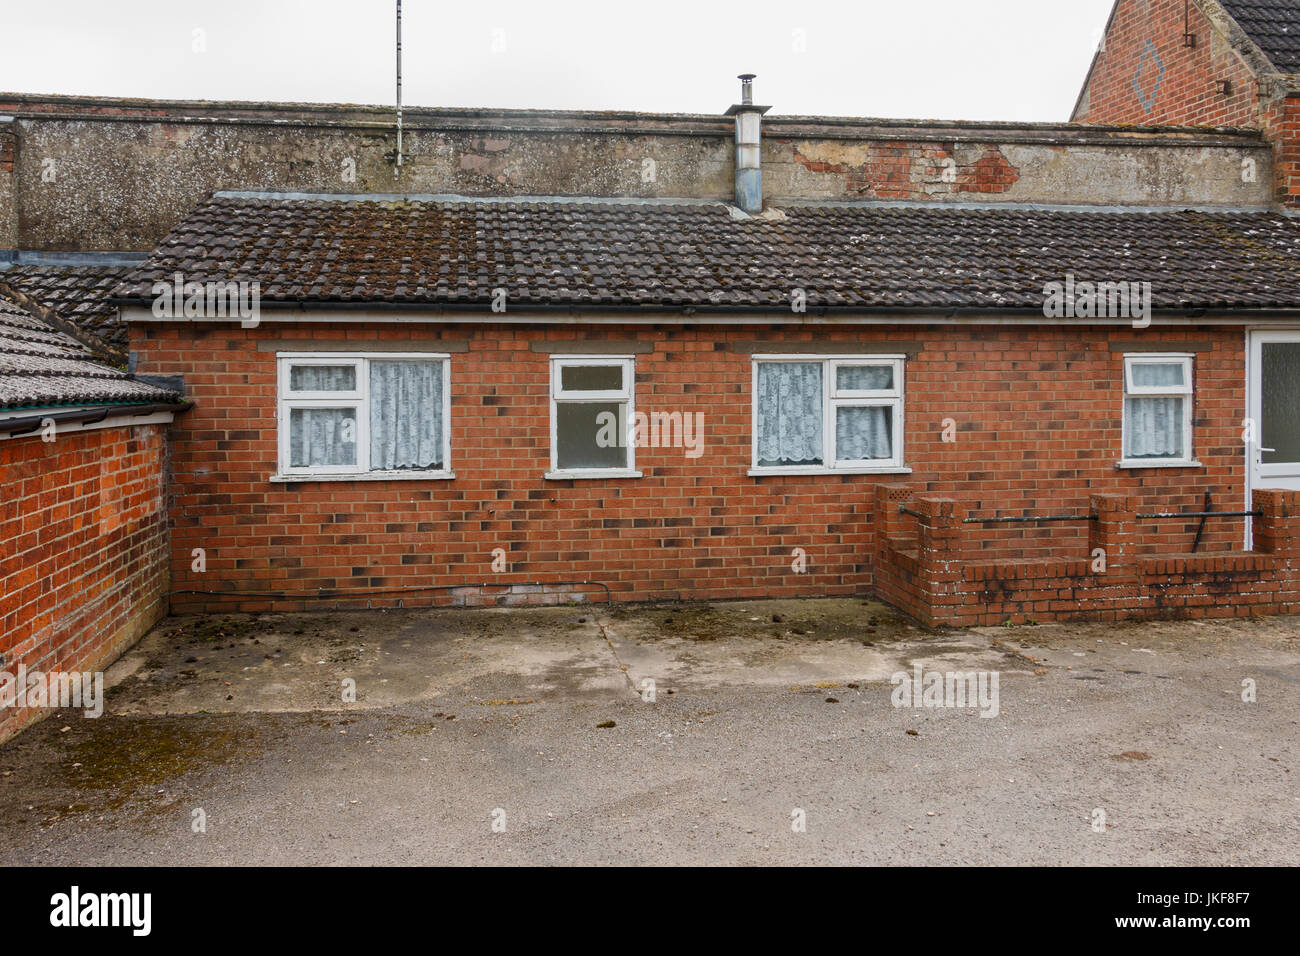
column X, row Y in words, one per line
column 1038, row 412
column 1187, row 94
column 900, row 169
column 1281, row 123
column 84, row 569
column 7, row 141
column 929, row 577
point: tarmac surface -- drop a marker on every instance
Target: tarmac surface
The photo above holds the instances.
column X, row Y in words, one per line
column 751, row 732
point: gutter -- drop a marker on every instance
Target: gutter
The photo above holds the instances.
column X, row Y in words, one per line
column 90, row 415
column 306, row 307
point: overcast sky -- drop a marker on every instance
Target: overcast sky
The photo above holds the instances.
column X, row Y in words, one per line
column 940, row 59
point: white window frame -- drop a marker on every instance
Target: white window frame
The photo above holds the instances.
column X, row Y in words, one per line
column 834, row 398
column 359, row 398
column 559, row 394
column 1186, row 391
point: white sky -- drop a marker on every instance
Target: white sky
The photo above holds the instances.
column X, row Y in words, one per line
column 938, row 59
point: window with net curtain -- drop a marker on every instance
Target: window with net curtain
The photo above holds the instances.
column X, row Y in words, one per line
column 1157, row 408
column 840, row 413
column 366, row 415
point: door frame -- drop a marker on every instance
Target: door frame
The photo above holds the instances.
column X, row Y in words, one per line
column 1255, row 405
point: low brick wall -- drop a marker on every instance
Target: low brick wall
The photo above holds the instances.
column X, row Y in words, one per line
column 84, row 573
column 922, row 568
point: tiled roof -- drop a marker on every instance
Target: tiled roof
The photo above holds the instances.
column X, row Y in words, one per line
column 77, row 293
column 667, row 255
column 1274, row 26
column 42, row 366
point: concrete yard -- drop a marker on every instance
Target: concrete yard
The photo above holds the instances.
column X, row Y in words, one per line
column 476, row 737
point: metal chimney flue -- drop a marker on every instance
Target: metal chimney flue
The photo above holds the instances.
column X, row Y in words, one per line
column 749, row 164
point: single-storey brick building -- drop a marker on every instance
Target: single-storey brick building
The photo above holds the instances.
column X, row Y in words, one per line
column 83, row 518
column 983, row 411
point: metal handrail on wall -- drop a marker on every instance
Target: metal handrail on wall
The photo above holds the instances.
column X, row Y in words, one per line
column 1089, row 517
column 1142, row 516
column 917, row 514
column 1200, row 514
column 1092, row 517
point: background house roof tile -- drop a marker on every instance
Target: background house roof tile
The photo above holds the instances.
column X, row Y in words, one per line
column 665, row 255
column 79, row 294
column 1274, row 27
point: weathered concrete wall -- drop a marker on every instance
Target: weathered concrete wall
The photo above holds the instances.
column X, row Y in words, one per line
column 1084, row 173
column 118, row 174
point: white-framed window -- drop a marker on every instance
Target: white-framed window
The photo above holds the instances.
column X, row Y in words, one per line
column 364, row 415
column 815, row 414
column 592, row 409
column 1158, row 400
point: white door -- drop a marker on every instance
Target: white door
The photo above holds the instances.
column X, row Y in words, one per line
column 1274, row 460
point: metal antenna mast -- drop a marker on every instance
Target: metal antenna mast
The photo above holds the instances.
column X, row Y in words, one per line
column 399, row 86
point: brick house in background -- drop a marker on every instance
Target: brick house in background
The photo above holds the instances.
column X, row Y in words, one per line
column 1203, row 62
column 83, row 518
column 424, row 389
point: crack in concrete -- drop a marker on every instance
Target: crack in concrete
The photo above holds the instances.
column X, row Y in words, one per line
column 604, row 632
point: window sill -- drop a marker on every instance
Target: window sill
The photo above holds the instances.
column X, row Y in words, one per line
column 887, row 470
column 590, row 474
column 368, row 476
column 1156, row 463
